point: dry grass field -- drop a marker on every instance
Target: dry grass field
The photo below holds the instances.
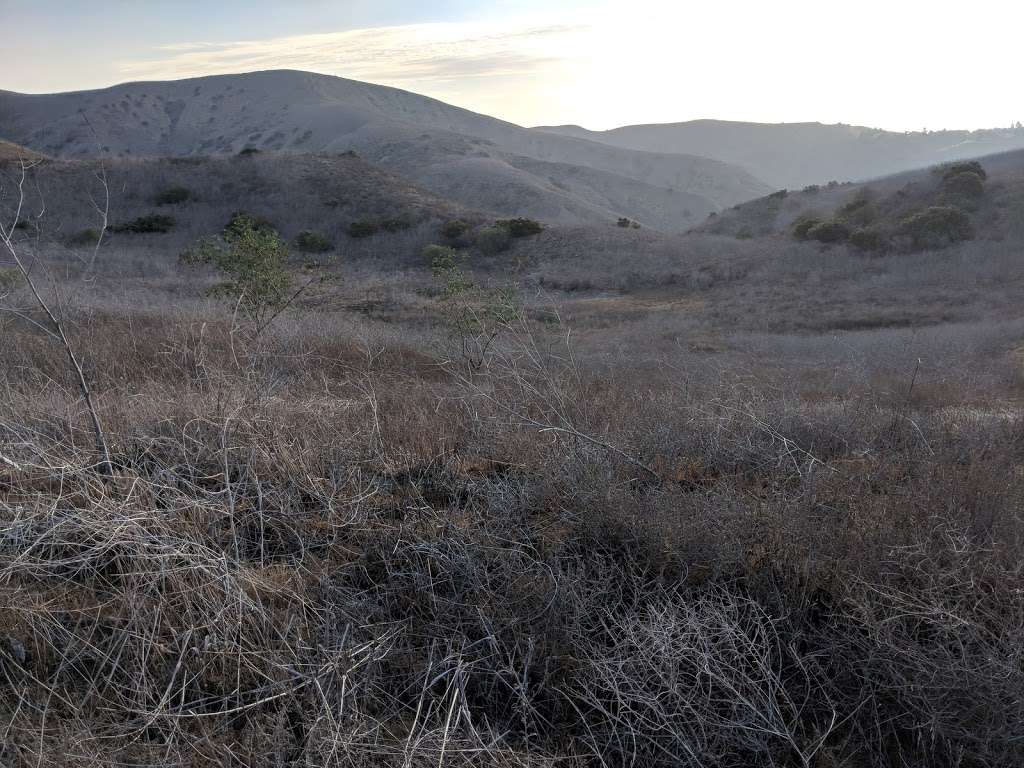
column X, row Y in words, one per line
column 626, row 500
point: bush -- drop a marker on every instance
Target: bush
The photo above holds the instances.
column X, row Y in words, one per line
column 253, row 262
column 397, row 224
column 454, row 229
column 312, row 242
column 832, row 231
column 936, row 227
column 955, row 169
column 493, row 240
column 249, row 152
column 241, row 221
column 860, row 211
column 627, row 223
column 173, row 196
column 804, row 225
column 153, row 223
column 363, row 228
column 22, row 224
column 868, row 239
column 521, row 227
column 966, row 183
column 88, row 236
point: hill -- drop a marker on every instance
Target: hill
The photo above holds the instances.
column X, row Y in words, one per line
column 467, row 157
column 10, row 152
column 793, row 155
column 985, row 195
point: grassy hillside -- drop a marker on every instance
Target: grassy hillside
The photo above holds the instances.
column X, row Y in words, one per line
column 793, row 155
column 605, row 497
column 986, row 196
column 432, row 143
column 13, row 153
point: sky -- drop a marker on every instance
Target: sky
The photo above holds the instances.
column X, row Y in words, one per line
column 894, row 64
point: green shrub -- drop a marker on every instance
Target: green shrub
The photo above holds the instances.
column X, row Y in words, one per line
column 363, row 228
column 312, row 242
column 521, row 227
column 745, row 234
column 627, row 223
column 832, row 231
column 966, row 183
column 153, row 223
column 955, row 169
column 861, row 211
column 89, row 236
column 173, row 196
column 936, row 227
column 868, row 239
column 253, row 262
column 241, row 221
column 397, row 224
column 21, row 224
column 493, row 240
column 249, row 152
column 454, row 229
column 804, row 225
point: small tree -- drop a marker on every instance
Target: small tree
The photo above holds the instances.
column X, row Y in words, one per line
column 253, row 262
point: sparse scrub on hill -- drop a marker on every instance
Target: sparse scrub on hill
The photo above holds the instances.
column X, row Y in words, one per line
column 173, row 196
column 312, row 242
column 155, row 223
column 363, row 228
column 520, row 227
column 85, row 237
column 242, row 222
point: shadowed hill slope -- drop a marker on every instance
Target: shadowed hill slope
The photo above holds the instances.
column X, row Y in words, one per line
column 471, row 158
column 792, row 155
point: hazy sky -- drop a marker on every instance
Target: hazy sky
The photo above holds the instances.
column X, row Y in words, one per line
column 897, row 64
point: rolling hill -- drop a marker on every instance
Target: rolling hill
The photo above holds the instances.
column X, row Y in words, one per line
column 467, row 157
column 793, row 155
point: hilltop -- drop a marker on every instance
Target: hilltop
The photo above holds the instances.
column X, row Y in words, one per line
column 793, row 155
column 467, row 157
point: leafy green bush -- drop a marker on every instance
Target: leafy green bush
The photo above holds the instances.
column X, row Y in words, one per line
column 454, row 229
column 623, row 222
column 832, row 231
column 249, row 152
column 936, row 227
column 493, row 240
column 88, row 236
column 804, row 225
column 153, row 223
column 363, row 228
column 241, row 221
column 173, row 196
column 521, row 227
column 860, row 212
column 868, row 239
column 253, row 262
column 312, row 242
column 966, row 183
column 22, row 224
column 955, row 169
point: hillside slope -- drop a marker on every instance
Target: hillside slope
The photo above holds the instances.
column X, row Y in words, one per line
column 793, row 155
column 428, row 141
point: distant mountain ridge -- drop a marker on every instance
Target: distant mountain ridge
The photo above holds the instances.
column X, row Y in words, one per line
column 794, row 155
column 467, row 157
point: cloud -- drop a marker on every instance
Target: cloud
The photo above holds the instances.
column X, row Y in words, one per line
column 402, row 55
